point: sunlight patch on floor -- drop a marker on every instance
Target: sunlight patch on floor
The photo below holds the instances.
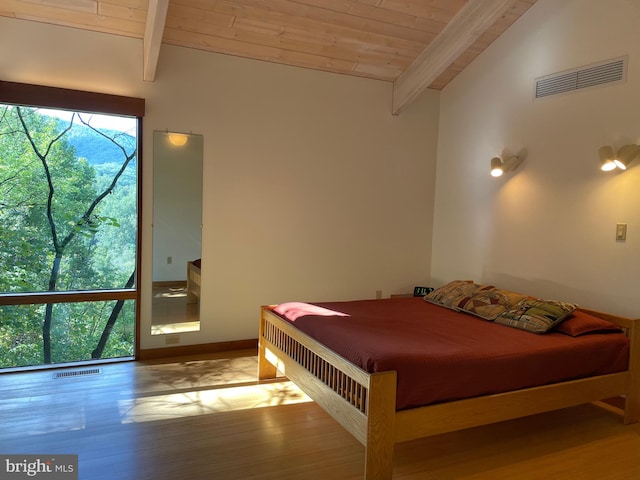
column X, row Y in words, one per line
column 172, row 293
column 203, row 402
column 163, row 329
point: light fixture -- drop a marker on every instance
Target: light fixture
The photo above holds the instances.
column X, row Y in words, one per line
column 178, row 139
column 606, row 159
column 509, row 164
column 610, row 160
column 625, row 156
column 496, row 167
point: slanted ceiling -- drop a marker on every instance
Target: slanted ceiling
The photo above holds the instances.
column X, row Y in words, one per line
column 415, row 44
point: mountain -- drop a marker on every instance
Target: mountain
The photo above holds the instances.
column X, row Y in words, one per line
column 95, row 148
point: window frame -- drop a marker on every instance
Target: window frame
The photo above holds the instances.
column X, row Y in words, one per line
column 90, row 102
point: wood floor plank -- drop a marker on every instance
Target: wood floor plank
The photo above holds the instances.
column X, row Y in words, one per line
column 189, row 418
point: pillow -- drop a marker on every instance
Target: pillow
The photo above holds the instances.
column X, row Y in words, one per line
column 535, row 315
column 452, row 293
column 490, row 302
column 581, row 323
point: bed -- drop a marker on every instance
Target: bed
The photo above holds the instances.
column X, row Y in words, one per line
column 193, row 280
column 364, row 394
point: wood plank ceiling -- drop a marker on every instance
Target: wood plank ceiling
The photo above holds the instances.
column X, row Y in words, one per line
column 400, row 41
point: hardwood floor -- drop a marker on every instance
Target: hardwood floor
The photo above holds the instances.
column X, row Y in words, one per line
column 207, row 417
column 171, row 311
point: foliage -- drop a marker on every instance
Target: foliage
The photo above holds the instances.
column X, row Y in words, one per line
column 91, row 146
column 64, row 226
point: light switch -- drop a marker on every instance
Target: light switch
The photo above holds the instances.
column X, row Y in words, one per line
column 621, row 232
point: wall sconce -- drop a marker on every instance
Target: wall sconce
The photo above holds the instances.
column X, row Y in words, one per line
column 178, row 139
column 509, row 164
column 621, row 159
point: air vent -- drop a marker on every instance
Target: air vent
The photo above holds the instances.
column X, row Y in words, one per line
column 607, row 72
column 77, row 373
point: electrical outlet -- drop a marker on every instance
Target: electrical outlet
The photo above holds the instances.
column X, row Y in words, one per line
column 169, row 260
column 378, row 294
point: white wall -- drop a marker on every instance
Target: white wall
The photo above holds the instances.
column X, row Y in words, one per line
column 548, row 229
column 312, row 189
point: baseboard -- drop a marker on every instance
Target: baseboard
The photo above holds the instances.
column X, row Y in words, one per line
column 198, row 349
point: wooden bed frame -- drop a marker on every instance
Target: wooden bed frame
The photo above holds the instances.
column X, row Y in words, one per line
column 364, row 403
column 193, row 283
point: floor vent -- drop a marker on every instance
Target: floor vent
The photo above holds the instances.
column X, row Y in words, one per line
column 77, row 373
column 607, row 72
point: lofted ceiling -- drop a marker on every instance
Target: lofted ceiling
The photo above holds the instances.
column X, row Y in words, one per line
column 415, row 44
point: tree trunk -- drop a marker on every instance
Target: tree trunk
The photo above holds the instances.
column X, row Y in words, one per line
column 97, row 353
column 48, row 313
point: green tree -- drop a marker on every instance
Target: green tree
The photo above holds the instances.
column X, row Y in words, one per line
column 50, row 223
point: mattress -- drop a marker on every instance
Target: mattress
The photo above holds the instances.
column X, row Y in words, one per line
column 442, row 355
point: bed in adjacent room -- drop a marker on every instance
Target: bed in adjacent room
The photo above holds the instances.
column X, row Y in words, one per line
column 466, row 355
column 194, row 269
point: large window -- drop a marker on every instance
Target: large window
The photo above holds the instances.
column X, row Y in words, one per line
column 69, row 222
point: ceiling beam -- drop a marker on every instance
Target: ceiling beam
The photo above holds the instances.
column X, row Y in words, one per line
column 153, row 31
column 464, row 29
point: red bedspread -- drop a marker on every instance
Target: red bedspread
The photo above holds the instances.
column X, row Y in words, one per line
column 442, row 355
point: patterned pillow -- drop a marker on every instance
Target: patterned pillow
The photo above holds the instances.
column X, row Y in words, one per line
column 490, row 302
column 484, row 301
column 452, row 293
column 535, row 315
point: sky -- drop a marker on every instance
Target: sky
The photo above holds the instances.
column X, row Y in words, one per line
column 112, row 122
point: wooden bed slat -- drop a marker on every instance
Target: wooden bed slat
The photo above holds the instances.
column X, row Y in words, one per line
column 473, row 412
column 321, row 352
column 380, row 427
column 333, row 403
column 632, row 400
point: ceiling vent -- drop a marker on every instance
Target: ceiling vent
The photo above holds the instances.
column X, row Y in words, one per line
column 608, row 72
